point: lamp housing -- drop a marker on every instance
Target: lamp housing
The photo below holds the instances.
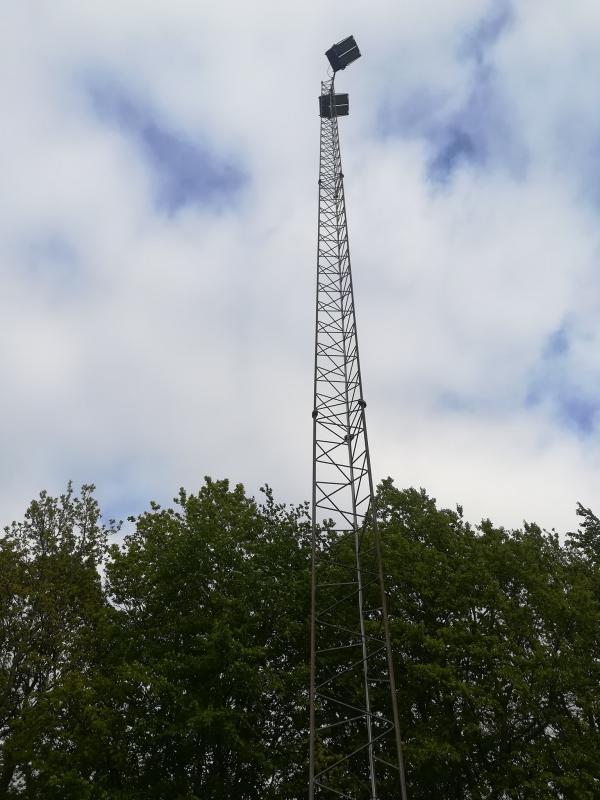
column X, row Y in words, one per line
column 333, row 105
column 343, row 53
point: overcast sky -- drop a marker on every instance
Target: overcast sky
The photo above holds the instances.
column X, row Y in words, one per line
column 158, row 174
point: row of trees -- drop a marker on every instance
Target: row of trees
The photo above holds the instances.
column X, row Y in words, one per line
column 174, row 665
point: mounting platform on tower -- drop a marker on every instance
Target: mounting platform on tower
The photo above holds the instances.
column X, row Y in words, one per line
column 355, row 748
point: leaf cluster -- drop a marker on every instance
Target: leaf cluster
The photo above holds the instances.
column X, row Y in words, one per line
column 175, row 664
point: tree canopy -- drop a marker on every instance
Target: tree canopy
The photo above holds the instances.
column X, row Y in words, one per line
column 173, row 662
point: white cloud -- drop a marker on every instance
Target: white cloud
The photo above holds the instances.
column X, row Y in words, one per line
column 174, row 346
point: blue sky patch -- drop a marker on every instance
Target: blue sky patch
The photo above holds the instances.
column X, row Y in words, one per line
column 478, row 132
column 557, row 343
column 459, row 147
column 186, row 172
column 467, row 136
column 574, row 407
column 578, row 412
column 488, row 30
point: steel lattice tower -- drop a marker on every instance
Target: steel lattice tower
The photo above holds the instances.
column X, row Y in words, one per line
column 355, row 746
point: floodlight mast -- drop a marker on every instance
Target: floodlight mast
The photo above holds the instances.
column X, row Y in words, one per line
column 355, row 749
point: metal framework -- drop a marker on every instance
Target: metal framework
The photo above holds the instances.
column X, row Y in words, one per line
column 355, row 747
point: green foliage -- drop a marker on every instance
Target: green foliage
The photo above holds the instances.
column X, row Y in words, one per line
column 53, row 617
column 212, row 602
column 497, row 635
column 182, row 673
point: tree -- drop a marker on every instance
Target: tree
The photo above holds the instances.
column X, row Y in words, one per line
column 184, row 675
column 497, row 639
column 52, row 621
column 213, row 610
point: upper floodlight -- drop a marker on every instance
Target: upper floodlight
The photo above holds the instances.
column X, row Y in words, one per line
column 343, row 53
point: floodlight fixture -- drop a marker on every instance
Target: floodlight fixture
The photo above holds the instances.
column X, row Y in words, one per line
column 343, row 53
column 333, row 105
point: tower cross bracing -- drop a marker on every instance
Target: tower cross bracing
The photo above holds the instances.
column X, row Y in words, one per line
column 355, row 745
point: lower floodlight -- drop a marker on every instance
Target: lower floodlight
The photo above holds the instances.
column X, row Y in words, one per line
column 343, row 53
column 333, row 105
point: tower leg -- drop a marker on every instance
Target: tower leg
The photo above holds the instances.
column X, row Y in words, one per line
column 355, row 748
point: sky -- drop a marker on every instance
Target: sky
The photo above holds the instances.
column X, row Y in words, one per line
column 158, row 208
